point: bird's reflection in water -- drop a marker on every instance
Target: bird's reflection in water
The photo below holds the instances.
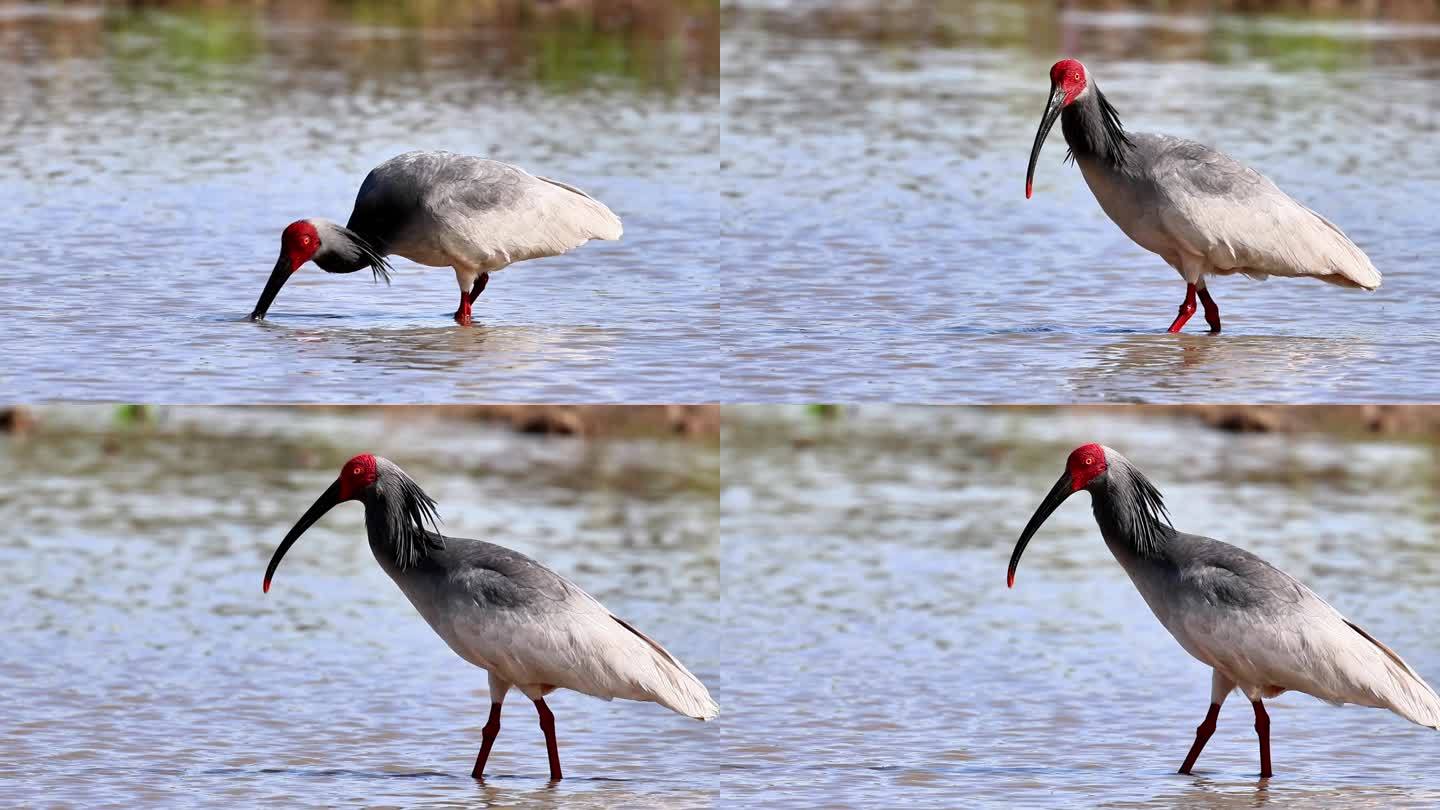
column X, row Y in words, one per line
column 1221, row 367
column 477, row 356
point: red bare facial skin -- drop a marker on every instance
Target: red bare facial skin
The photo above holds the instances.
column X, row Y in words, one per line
column 299, row 242
column 1084, row 465
column 1068, row 75
column 358, row 473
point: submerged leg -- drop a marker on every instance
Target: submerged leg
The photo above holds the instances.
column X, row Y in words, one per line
column 1186, row 309
column 462, row 313
column 547, row 725
column 1202, row 736
column 487, row 739
column 1212, row 310
column 1262, row 728
column 1220, row 687
column 483, row 279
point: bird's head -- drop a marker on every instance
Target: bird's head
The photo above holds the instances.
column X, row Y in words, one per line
column 404, row 508
column 1068, row 81
column 335, row 248
column 299, row 243
column 1087, row 468
column 1069, row 77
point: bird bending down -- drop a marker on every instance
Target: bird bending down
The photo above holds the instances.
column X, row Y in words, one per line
column 525, row 625
column 1258, row 628
column 442, row 209
column 1205, row 213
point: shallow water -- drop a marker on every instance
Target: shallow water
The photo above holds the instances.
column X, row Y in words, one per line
column 886, row 663
column 141, row 664
column 150, row 160
column 875, row 157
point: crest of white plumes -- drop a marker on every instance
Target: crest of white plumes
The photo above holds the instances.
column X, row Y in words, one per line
column 409, row 515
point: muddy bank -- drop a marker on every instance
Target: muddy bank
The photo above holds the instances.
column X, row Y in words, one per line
column 592, row 421
column 693, row 421
column 1405, row 421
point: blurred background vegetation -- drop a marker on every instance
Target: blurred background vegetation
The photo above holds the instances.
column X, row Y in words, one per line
column 658, row 43
column 1217, row 31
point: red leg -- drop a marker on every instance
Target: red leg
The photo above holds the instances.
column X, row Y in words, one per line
column 462, row 314
column 1186, row 309
column 1202, row 736
column 479, row 286
column 487, row 739
column 547, row 725
column 1212, row 311
column 1262, row 728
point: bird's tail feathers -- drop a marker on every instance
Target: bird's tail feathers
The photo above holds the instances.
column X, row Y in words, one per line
column 597, row 218
column 1356, row 270
column 670, row 684
column 1406, row 693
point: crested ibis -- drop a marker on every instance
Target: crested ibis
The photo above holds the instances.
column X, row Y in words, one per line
column 1259, row 629
column 525, row 625
column 442, row 209
column 1205, row 213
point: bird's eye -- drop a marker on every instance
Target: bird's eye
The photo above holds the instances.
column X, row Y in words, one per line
column 356, row 471
column 305, row 240
column 1089, row 460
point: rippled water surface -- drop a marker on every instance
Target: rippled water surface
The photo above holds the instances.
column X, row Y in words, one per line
column 886, row 664
column 151, row 158
column 142, row 665
column 875, row 157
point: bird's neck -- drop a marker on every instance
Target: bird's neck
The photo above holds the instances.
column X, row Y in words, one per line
column 342, row 256
column 1093, row 131
column 344, row 250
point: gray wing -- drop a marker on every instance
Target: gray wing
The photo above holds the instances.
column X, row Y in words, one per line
column 497, row 577
column 424, row 189
column 1231, row 578
column 1241, row 222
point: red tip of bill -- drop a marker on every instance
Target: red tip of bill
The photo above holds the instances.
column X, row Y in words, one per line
column 267, row 585
column 1027, row 191
column 1010, row 579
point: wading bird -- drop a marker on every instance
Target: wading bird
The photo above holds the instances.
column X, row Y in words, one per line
column 441, row 209
column 525, row 625
column 1203, row 212
column 1258, row 628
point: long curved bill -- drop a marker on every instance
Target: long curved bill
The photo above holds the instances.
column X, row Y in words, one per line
column 323, row 504
column 1052, row 112
column 1063, row 489
column 278, row 277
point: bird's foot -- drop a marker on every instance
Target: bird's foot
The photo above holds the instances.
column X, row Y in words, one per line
column 1187, row 308
column 462, row 312
column 1212, row 311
